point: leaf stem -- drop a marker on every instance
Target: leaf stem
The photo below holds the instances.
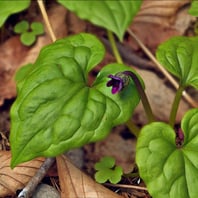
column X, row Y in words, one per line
column 114, row 47
column 138, row 84
column 175, row 105
column 142, row 94
column 133, row 128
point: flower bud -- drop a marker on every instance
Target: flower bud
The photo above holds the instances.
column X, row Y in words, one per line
column 118, row 82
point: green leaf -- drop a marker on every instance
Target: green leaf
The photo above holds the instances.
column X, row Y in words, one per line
column 21, row 74
column 167, row 170
column 56, row 109
column 179, row 56
column 105, row 162
column 106, row 170
column 194, row 8
column 102, row 176
column 28, row 38
column 116, row 175
column 37, row 28
column 8, row 8
column 115, row 16
column 21, row 27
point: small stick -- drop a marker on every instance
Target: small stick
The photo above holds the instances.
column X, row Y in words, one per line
column 46, row 19
column 126, row 186
column 35, row 180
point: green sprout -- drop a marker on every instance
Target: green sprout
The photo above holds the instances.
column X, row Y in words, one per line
column 107, row 170
column 28, row 31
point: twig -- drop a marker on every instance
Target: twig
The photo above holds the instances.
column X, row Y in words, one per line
column 35, row 180
column 126, row 186
column 46, row 19
column 168, row 76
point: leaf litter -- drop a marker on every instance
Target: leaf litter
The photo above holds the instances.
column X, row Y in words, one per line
column 12, row 58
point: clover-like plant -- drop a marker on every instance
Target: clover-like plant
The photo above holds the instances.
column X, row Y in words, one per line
column 108, row 170
column 28, row 31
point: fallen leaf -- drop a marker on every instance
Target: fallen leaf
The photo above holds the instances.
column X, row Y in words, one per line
column 159, row 12
column 75, row 183
column 10, row 58
column 13, row 179
column 159, row 20
column 14, row 55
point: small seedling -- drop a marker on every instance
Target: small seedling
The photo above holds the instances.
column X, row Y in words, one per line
column 107, row 170
column 28, row 31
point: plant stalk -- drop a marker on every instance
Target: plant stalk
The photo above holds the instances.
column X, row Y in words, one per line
column 143, row 96
column 114, row 47
column 175, row 105
column 138, row 84
column 133, row 128
column 187, row 97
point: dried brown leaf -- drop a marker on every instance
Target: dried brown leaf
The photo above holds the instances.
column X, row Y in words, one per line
column 75, row 183
column 159, row 20
column 13, row 179
column 14, row 55
column 161, row 12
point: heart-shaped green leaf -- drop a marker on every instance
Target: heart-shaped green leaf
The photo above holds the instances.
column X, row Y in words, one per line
column 37, row 28
column 179, row 56
column 8, row 8
column 194, row 8
column 169, row 171
column 28, row 38
column 112, row 15
column 21, row 27
column 56, row 109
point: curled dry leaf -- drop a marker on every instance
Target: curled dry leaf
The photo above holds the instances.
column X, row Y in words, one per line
column 159, row 20
column 13, row 179
column 159, row 12
column 75, row 183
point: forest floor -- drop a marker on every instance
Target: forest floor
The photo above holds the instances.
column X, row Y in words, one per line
column 152, row 29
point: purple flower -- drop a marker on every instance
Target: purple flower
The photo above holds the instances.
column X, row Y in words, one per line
column 117, row 82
